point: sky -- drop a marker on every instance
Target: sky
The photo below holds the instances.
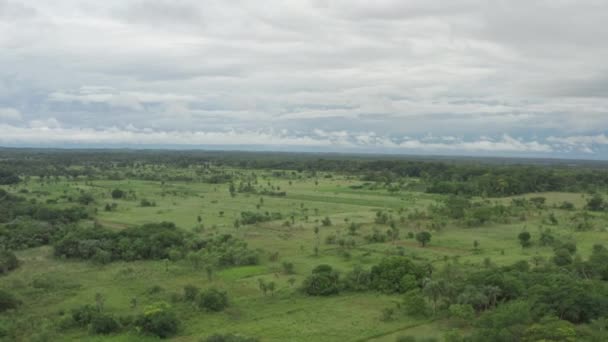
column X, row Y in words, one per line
column 456, row 77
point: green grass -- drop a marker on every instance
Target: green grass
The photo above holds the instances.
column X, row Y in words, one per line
column 287, row 315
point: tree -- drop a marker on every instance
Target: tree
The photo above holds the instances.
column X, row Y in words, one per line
column 288, row 267
column 323, row 281
column 463, row 313
column 158, row 320
column 596, row 203
column 434, row 290
column 562, row 257
column 271, row 287
column 104, row 324
column 423, row 238
column 524, row 239
column 550, row 329
column 262, row 286
column 8, row 301
column 117, row 194
column 8, row 261
column 86, row 199
column 396, row 275
column 213, row 300
column 99, row 301
column 414, row 304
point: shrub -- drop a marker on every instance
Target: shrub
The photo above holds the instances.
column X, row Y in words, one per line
column 190, row 292
column 323, row 281
column 104, row 324
column 117, row 193
column 396, row 275
column 8, row 301
column 8, row 261
column 213, row 300
column 229, row 338
column 84, row 314
column 158, row 321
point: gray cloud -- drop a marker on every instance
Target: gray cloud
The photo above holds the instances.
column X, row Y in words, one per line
column 400, row 70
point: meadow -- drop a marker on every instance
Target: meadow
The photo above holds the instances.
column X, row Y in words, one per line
column 317, row 211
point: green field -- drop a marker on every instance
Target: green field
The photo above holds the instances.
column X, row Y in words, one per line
column 49, row 287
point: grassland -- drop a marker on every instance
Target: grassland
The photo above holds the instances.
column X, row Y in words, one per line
column 49, row 286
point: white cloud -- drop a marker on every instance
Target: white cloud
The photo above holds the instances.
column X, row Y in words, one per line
column 9, row 114
column 444, row 69
column 505, row 144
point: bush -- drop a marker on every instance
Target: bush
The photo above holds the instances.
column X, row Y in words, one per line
column 158, row 321
column 8, row 301
column 323, row 281
column 84, row 314
column 190, row 292
column 396, row 275
column 229, row 338
column 8, row 261
column 117, row 194
column 213, row 300
column 104, row 324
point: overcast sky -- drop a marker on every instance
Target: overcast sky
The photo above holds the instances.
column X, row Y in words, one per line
column 467, row 77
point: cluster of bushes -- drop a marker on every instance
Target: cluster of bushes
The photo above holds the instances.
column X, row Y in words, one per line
column 225, row 250
column 251, row 217
column 211, row 300
column 156, row 320
column 28, row 224
column 12, row 206
column 392, row 275
column 519, row 302
column 229, row 338
column 8, row 177
column 153, row 241
column 149, row 241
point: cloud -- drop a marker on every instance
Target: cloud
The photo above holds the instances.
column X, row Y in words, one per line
column 9, row 114
column 451, row 70
column 505, row 144
column 51, row 132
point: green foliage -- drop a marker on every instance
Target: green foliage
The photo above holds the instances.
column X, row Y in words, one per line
column 414, row 304
column 8, row 301
column 550, row 329
column 506, row 323
column 84, row 314
column 324, row 281
column 423, row 238
column 159, row 321
column 229, row 338
column 191, row 293
column 118, row 194
column 8, row 261
column 596, row 203
column 104, row 324
column 8, row 177
column 213, row 300
column 86, row 198
column 396, row 275
column 524, row 239
column 251, row 217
